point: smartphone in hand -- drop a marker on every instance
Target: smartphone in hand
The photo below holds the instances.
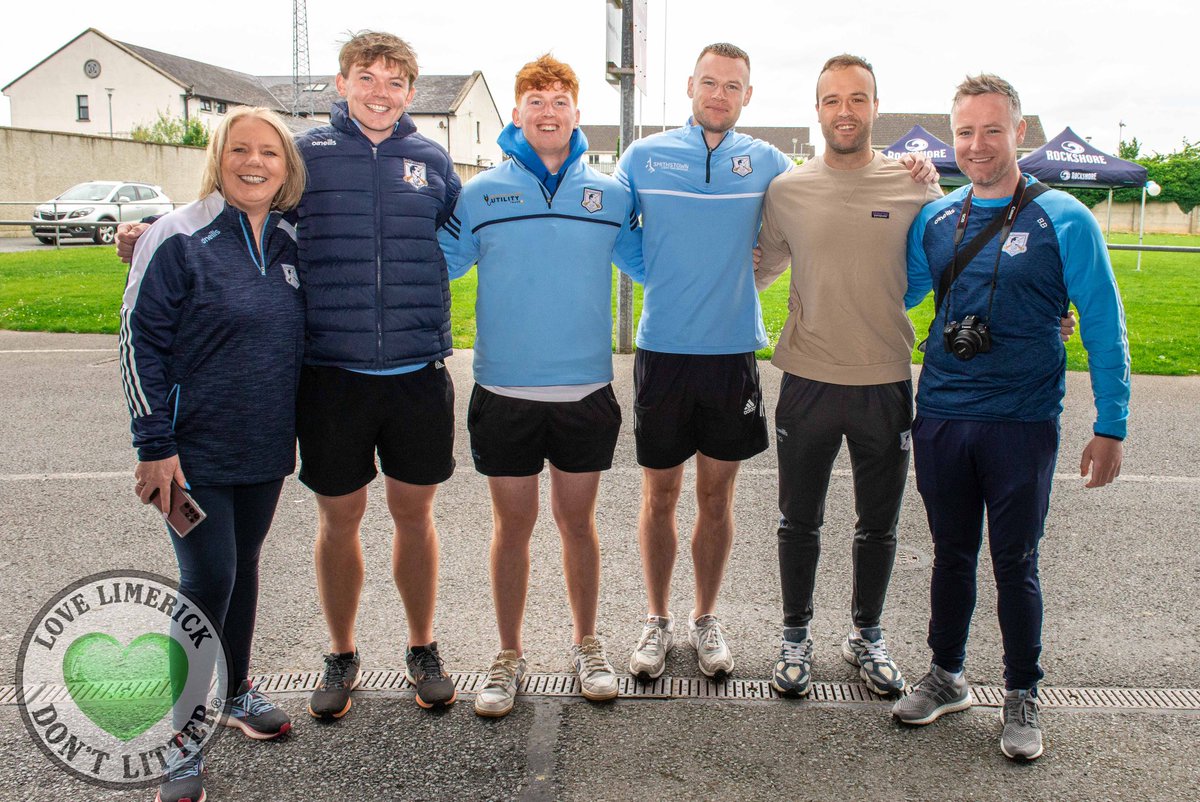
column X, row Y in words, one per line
column 185, row 514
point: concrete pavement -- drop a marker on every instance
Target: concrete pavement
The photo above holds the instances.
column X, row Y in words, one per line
column 1119, row 569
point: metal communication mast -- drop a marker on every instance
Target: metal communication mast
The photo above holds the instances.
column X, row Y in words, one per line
column 302, row 101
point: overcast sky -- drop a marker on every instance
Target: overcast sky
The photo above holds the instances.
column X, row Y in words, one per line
column 1089, row 65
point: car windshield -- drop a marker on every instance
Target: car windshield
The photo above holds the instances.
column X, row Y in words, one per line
column 87, row 192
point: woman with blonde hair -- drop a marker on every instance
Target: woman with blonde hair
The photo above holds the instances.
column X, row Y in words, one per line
column 212, row 338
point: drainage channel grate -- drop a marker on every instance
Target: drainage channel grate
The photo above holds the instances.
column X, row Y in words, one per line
column 667, row 688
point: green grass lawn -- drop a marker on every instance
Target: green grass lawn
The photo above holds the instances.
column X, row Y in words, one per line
column 78, row 289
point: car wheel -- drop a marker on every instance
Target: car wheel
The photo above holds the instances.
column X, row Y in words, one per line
column 46, row 240
column 105, row 234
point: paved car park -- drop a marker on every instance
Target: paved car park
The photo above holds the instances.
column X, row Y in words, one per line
column 1119, row 566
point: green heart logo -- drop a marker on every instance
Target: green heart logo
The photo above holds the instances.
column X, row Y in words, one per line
column 125, row 691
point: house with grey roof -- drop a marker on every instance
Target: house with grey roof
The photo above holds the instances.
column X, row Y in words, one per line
column 96, row 85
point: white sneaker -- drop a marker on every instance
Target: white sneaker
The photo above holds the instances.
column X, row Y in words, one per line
column 649, row 657
column 504, row 679
column 708, row 638
column 596, row 676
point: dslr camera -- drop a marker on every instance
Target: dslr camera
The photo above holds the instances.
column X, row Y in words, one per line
column 968, row 338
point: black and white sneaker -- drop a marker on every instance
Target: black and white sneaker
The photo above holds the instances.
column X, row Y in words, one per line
column 331, row 699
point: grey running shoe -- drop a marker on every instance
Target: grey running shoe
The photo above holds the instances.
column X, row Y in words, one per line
column 708, row 637
column 1022, row 736
column 504, row 679
column 596, row 676
column 869, row 652
column 331, row 699
column 256, row 715
column 938, row 693
column 649, row 657
column 184, row 777
column 424, row 670
column 792, row 675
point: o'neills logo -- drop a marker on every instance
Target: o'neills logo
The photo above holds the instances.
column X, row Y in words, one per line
column 1074, row 152
column 950, row 211
column 117, row 674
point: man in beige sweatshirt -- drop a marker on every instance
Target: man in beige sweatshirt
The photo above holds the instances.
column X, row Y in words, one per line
column 842, row 220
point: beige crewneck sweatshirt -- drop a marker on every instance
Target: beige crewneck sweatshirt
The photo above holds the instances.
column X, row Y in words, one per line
column 845, row 234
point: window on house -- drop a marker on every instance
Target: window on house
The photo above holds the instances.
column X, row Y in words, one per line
column 478, row 132
column 593, row 158
column 205, row 104
column 81, row 108
column 221, row 107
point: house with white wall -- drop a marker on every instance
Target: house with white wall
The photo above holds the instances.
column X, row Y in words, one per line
column 96, row 85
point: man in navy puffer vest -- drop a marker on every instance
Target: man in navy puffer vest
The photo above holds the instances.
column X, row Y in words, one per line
column 377, row 327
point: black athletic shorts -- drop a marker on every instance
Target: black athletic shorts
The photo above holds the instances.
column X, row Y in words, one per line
column 514, row 436
column 684, row 403
column 343, row 418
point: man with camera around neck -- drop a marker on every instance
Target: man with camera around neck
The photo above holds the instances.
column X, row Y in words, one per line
column 986, row 431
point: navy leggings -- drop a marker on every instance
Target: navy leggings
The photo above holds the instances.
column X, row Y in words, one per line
column 218, row 561
column 1006, row 467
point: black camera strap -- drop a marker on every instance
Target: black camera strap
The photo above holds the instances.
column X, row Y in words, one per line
column 1002, row 224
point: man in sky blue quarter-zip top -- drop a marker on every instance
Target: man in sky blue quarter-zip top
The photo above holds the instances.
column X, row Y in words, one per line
column 986, row 434
column 545, row 229
column 699, row 192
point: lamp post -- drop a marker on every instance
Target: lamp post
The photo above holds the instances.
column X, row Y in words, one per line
column 795, row 140
column 109, row 90
column 1120, row 135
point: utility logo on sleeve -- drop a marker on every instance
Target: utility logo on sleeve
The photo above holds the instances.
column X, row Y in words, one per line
column 1016, row 243
column 592, row 200
column 741, row 165
column 414, row 173
column 290, row 276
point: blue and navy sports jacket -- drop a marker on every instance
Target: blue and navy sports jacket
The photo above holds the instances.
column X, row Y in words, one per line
column 376, row 284
column 1054, row 255
column 701, row 211
column 211, row 344
column 544, row 304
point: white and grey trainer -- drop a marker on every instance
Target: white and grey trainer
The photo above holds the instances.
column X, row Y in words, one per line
column 499, row 694
column 649, row 657
column 1021, row 738
column 597, row 680
column 939, row 692
column 868, row 650
column 707, row 636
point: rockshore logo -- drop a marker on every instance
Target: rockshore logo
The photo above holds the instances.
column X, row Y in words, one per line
column 114, row 671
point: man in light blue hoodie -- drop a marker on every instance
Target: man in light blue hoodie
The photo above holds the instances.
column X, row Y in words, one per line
column 544, row 229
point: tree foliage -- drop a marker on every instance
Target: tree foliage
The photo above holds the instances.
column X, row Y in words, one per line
column 1177, row 173
column 167, row 130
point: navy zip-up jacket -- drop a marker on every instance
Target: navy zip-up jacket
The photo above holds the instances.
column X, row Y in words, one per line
column 211, row 344
column 378, row 295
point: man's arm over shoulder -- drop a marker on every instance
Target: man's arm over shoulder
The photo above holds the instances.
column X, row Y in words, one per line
column 920, row 280
column 627, row 250
column 776, row 253
column 459, row 244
